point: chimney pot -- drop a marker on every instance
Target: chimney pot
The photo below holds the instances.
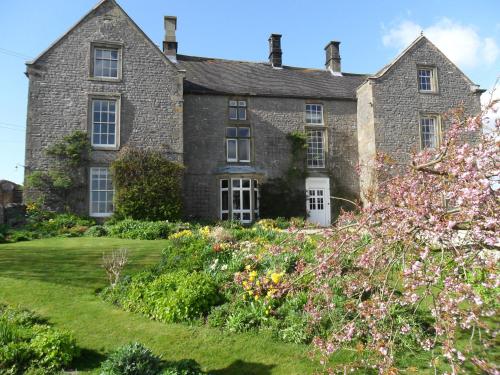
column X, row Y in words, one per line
column 170, row 41
column 275, row 50
column 333, row 57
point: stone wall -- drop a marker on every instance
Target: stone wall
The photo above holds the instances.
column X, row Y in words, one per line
column 270, row 120
column 390, row 106
column 398, row 102
column 61, row 87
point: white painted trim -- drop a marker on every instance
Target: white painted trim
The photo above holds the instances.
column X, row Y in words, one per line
column 321, row 183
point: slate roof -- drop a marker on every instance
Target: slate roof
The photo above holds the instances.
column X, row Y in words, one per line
column 217, row 76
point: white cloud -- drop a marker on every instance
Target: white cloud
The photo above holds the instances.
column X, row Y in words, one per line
column 461, row 43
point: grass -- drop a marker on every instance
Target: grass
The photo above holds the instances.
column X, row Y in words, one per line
column 58, row 278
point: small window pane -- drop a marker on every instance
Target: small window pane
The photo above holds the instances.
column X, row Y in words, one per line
column 231, row 150
column 236, row 183
column 231, row 132
column 233, row 113
column 244, row 149
column 244, row 132
column 245, row 183
column 242, row 103
column 242, row 114
column 233, row 103
column 225, row 200
column 224, row 184
column 236, row 200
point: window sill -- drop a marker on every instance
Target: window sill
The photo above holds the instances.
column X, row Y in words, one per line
column 104, row 79
column 109, row 214
column 105, row 148
column 428, row 92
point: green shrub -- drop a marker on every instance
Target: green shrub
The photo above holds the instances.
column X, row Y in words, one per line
column 97, row 231
column 53, row 349
column 142, row 230
column 186, row 253
column 27, row 346
column 184, row 367
column 147, row 185
column 171, row 297
column 132, row 359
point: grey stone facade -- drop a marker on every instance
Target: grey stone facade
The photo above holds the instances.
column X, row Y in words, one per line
column 270, row 120
column 61, row 86
column 390, row 104
column 179, row 105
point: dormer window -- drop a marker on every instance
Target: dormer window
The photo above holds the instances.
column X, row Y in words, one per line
column 427, row 79
column 237, row 110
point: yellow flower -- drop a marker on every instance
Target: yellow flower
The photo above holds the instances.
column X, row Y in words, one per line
column 256, row 297
column 276, row 277
column 182, row 233
column 205, row 231
column 253, row 275
column 247, row 267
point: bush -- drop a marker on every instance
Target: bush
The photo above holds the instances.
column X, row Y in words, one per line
column 97, row 231
column 27, row 345
column 142, row 230
column 186, row 253
column 147, row 185
column 132, row 359
column 172, row 297
column 184, row 367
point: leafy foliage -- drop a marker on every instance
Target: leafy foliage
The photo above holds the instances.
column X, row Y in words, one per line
column 142, row 230
column 56, row 184
column 29, row 345
column 132, row 359
column 171, row 297
column 280, row 196
column 147, row 185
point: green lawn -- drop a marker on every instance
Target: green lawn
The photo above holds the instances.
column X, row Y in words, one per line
column 58, row 278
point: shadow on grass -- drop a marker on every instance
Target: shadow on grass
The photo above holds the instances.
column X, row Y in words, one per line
column 240, row 367
column 88, row 360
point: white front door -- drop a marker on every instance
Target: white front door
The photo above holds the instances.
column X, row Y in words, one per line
column 318, row 200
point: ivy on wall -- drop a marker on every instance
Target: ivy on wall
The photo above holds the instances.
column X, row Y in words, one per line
column 285, row 196
column 54, row 186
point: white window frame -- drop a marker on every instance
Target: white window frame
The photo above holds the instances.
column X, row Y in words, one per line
column 231, row 212
column 106, row 46
column 312, row 108
column 224, row 189
column 437, row 130
column 310, row 161
column 109, row 98
column 236, row 140
column 432, row 79
column 238, row 104
column 92, row 213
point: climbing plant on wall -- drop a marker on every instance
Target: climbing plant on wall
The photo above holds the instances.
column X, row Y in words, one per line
column 283, row 196
column 69, row 158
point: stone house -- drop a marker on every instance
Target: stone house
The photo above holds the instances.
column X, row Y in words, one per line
column 227, row 121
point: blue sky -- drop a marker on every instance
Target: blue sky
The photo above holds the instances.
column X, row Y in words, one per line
column 371, row 32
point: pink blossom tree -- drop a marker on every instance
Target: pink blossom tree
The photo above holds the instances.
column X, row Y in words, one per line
column 416, row 269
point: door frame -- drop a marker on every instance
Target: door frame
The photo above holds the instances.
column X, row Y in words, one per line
column 320, row 183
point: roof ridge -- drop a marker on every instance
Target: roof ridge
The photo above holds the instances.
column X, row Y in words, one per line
column 204, row 58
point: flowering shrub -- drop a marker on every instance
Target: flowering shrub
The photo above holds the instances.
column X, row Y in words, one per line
column 418, row 266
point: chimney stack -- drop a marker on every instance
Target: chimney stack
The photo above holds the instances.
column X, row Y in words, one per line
column 333, row 57
column 275, row 50
column 170, row 42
